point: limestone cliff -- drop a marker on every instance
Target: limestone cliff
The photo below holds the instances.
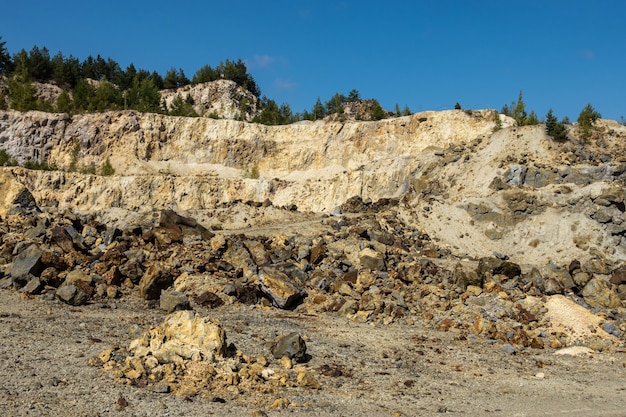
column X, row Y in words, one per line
column 515, row 191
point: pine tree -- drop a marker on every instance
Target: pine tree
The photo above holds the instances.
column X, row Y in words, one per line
column 519, row 111
column 318, row 111
column 554, row 128
column 586, row 119
column 6, row 64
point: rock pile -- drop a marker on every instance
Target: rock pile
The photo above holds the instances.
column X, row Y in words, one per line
column 367, row 266
column 189, row 355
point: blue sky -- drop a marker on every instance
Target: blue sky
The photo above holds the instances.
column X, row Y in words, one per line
column 424, row 54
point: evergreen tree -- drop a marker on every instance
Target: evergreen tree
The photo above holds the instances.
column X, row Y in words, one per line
column 335, row 104
column 318, row 111
column 64, row 103
column 39, row 64
column 406, row 111
column 106, row 97
column 354, row 95
column 21, row 91
column 82, row 95
column 586, row 119
column 532, row 119
column 554, row 128
column 204, row 75
column 6, row 63
column 377, row 112
column 180, row 107
column 144, row 96
column 519, row 111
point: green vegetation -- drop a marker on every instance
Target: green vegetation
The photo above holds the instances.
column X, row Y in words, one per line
column 107, row 169
column 6, row 159
column 586, row 119
column 98, row 84
column 253, row 173
column 497, row 122
column 555, row 128
column 39, row 165
column 180, row 107
column 517, row 110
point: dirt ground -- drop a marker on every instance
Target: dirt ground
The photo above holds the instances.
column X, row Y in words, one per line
column 364, row 369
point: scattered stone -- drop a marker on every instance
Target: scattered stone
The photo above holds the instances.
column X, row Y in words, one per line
column 72, row 295
column 291, row 346
column 510, row 349
column 575, row 351
column 171, row 301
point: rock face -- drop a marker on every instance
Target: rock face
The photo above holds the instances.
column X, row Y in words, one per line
column 221, row 98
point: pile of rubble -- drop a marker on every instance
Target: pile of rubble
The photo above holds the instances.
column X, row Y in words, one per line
column 366, row 265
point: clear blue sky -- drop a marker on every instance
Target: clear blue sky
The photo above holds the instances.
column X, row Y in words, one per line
column 424, row 54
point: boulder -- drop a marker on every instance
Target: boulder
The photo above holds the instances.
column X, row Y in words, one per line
column 371, row 259
column 27, row 263
column 291, row 345
column 72, row 295
column 463, row 277
column 156, row 279
column 181, row 336
column 171, row 301
column 281, row 289
column 598, row 293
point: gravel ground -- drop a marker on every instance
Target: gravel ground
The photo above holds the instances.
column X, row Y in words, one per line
column 395, row 370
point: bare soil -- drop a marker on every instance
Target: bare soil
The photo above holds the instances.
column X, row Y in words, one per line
column 364, row 369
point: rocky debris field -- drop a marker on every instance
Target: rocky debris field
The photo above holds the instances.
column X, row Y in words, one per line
column 354, row 314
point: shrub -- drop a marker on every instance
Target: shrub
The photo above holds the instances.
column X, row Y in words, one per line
column 107, row 169
column 6, row 159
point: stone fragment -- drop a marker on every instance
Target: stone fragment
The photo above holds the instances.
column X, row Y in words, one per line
column 487, row 265
column 257, row 251
column 132, row 270
column 465, row 277
column 509, row 269
column 552, row 286
column 28, row 262
column 156, row 279
column 77, row 275
column 618, row 276
column 237, row 255
column 171, row 301
column 317, row 254
column 113, row 276
column 210, row 299
column 281, row 289
column 598, row 293
column 33, row 286
column 348, row 307
column 372, row 259
column 306, row 379
column 61, row 238
column 72, row 295
column 291, row 345
column 510, row 349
